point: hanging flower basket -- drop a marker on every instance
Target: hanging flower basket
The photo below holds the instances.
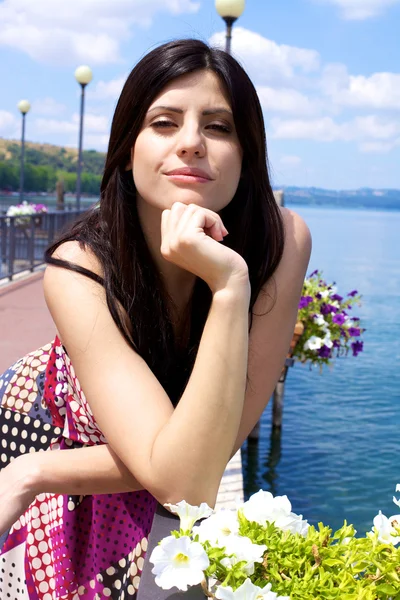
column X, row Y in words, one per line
column 331, row 329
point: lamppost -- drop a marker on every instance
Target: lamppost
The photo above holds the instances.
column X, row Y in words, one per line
column 230, row 10
column 23, row 107
column 83, row 75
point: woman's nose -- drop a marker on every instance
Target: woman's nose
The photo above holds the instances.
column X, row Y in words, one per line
column 190, row 143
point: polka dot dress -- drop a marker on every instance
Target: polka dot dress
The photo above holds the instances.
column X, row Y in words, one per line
column 65, row 547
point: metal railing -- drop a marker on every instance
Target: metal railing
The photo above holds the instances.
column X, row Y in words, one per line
column 23, row 239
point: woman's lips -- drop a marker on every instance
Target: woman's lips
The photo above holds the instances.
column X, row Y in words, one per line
column 189, row 178
column 189, row 175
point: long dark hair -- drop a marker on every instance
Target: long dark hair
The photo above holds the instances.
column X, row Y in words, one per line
column 113, row 231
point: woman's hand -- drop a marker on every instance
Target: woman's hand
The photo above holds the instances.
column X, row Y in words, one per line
column 189, row 239
column 16, row 490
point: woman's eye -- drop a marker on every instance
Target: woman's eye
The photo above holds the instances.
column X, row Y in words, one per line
column 220, row 127
column 162, row 124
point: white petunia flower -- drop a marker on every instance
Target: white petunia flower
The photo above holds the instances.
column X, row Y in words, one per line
column 248, row 591
column 395, row 499
column 313, row 343
column 327, row 341
column 240, row 549
column 179, row 562
column 218, row 527
column 188, row 514
column 319, row 320
column 262, row 507
column 387, row 534
column 333, row 290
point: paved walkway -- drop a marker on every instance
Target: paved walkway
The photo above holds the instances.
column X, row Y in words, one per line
column 25, row 323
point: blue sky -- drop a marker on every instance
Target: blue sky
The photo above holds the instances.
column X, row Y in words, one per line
column 327, row 74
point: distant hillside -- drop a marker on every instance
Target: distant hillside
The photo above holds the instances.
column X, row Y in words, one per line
column 45, row 164
column 362, row 198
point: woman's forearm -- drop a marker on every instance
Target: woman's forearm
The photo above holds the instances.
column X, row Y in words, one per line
column 81, row 471
column 191, row 451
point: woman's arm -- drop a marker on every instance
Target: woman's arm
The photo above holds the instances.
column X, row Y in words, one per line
column 173, row 454
column 82, row 471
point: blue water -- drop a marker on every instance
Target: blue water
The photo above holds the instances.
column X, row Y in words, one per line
column 338, row 456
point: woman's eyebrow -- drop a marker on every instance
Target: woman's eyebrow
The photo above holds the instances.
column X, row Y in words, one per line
column 210, row 111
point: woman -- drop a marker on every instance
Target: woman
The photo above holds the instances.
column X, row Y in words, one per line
column 174, row 305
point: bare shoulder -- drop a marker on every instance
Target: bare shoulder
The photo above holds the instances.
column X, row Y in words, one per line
column 297, row 233
column 78, row 254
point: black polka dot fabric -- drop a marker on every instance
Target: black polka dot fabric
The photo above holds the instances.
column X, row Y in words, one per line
column 69, row 547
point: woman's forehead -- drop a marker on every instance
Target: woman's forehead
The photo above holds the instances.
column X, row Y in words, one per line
column 201, row 87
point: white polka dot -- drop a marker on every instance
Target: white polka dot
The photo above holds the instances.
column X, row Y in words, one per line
column 110, row 571
column 52, row 583
column 36, row 523
column 14, row 431
column 133, row 569
column 60, row 501
column 30, row 539
column 71, row 505
column 131, row 590
column 144, row 544
column 43, row 547
column 117, row 584
column 22, row 449
column 92, row 584
column 4, row 428
column 49, row 571
column 47, row 597
column 4, row 458
column 138, row 549
column 35, row 512
column 136, row 581
column 24, row 434
column 39, row 535
column 122, row 562
column 40, row 575
column 36, row 423
column 34, row 436
column 46, row 559
column 107, row 592
column 43, row 439
column 13, row 446
column 140, row 563
column 36, row 563
column 44, row 509
column 44, row 586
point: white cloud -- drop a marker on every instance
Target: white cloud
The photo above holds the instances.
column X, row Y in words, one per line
column 8, row 123
column 89, row 31
column 97, row 124
column 370, row 132
column 105, row 90
column 48, row 106
column 286, row 100
column 265, row 60
column 379, row 90
column 362, row 9
column 290, row 161
column 379, row 147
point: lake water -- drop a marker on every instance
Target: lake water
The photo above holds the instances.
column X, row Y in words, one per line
column 338, row 456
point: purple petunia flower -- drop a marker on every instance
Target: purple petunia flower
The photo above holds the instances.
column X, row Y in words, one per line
column 305, row 301
column 354, row 331
column 324, row 352
column 336, row 344
column 353, row 293
column 314, row 273
column 357, row 347
column 337, row 297
column 318, row 296
column 339, row 319
column 326, row 309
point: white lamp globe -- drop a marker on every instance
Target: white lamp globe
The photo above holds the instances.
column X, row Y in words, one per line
column 230, row 8
column 23, row 106
column 83, row 75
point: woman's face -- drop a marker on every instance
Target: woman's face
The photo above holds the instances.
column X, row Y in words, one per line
column 188, row 150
